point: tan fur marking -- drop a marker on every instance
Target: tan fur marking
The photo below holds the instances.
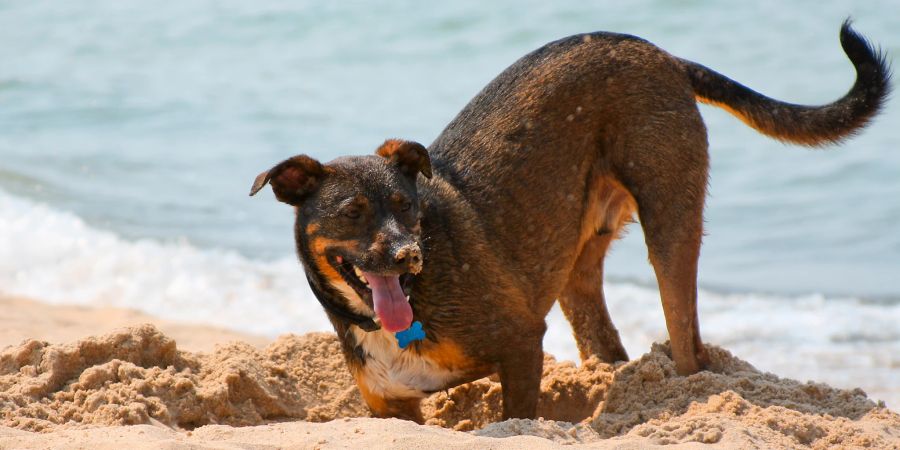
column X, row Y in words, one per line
column 317, row 248
column 447, row 354
column 376, row 403
column 389, row 147
column 762, row 128
column 610, row 207
column 330, row 274
column 728, row 109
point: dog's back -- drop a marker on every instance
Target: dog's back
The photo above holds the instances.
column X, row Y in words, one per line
column 570, row 142
column 529, row 146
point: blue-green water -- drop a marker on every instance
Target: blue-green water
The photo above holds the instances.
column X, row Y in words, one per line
column 130, row 133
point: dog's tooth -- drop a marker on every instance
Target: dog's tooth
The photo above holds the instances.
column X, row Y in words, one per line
column 360, row 276
column 407, row 299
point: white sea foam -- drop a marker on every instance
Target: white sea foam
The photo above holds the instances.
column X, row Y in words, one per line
column 55, row 257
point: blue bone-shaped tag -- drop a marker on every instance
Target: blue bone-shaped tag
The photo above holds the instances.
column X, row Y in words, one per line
column 410, row 335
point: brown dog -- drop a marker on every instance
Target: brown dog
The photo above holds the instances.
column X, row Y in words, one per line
column 520, row 198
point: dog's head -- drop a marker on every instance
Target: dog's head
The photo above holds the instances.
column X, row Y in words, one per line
column 358, row 223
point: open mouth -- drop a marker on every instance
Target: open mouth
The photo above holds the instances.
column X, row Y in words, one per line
column 386, row 294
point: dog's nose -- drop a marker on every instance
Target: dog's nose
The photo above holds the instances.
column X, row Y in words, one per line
column 409, row 257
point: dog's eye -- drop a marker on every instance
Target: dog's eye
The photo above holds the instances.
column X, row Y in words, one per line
column 351, row 213
column 405, row 206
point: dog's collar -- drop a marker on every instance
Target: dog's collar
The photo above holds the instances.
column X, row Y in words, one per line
column 412, row 334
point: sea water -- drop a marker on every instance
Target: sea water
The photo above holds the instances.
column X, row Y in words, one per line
column 130, row 133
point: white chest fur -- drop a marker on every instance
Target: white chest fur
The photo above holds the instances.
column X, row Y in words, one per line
column 392, row 372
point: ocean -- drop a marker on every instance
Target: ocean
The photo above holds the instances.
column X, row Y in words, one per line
column 130, row 133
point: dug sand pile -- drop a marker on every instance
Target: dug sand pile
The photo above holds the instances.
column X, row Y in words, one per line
column 137, row 376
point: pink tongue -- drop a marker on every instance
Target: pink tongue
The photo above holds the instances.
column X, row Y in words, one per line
column 390, row 303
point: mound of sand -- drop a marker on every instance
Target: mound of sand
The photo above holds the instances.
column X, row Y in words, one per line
column 138, row 376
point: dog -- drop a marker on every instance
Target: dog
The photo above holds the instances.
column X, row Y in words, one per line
column 437, row 266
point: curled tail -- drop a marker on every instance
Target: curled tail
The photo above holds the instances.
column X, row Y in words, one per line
column 800, row 124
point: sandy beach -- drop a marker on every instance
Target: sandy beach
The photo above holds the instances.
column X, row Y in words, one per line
column 77, row 377
column 147, row 301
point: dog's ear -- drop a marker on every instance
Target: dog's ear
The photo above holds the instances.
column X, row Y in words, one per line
column 411, row 157
column 292, row 179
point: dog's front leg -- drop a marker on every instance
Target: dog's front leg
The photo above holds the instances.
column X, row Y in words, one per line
column 399, row 408
column 404, row 408
column 520, row 378
column 386, row 407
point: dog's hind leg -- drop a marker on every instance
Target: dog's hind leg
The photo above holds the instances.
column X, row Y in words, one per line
column 665, row 168
column 674, row 249
column 584, row 306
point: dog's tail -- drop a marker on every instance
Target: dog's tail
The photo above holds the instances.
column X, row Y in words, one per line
column 799, row 124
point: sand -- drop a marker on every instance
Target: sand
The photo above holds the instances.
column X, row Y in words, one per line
column 23, row 318
column 140, row 387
